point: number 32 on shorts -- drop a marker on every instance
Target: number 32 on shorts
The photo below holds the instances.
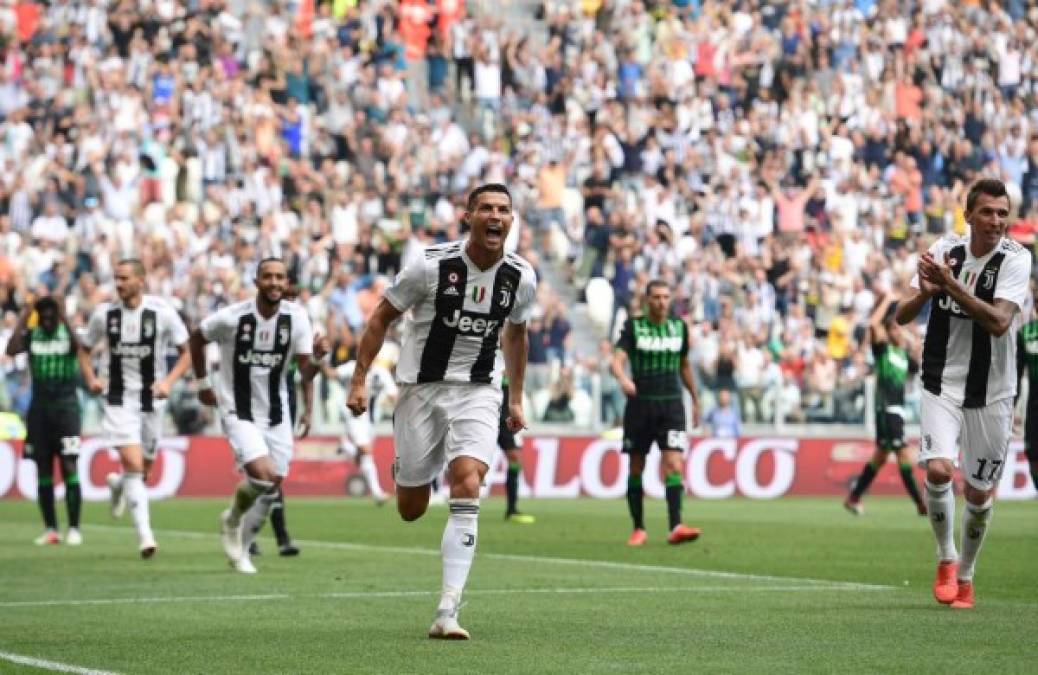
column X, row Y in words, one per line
column 677, row 439
column 70, row 445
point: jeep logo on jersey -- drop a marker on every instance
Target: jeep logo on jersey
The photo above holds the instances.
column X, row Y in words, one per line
column 132, row 351
column 949, row 305
column 262, row 359
column 470, row 325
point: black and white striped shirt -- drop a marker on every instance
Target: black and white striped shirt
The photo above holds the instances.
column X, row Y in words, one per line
column 255, row 353
column 138, row 340
column 962, row 362
column 459, row 311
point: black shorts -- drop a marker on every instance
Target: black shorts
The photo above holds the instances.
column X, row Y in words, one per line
column 662, row 422
column 890, row 430
column 505, row 438
column 1031, row 435
column 52, row 430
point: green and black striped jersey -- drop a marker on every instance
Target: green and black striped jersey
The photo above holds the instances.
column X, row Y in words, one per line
column 893, row 366
column 1027, row 358
column 655, row 351
column 52, row 361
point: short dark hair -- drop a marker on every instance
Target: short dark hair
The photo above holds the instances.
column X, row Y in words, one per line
column 135, row 263
column 470, row 204
column 656, row 283
column 269, row 259
column 992, row 187
column 46, row 304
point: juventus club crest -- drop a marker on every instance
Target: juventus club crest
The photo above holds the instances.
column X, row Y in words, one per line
column 148, row 328
column 988, row 282
column 283, row 336
column 504, row 296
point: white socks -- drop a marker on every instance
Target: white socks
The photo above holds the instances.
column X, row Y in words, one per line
column 244, row 497
column 254, row 518
column 974, row 528
column 367, row 467
column 137, row 501
column 941, row 501
column 458, row 548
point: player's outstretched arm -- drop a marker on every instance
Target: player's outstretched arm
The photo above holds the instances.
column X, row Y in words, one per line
column 308, row 370
column 995, row 317
column 909, row 309
column 877, row 334
column 370, row 344
column 515, row 345
column 162, row 388
column 619, row 370
column 17, row 344
column 690, row 383
column 196, row 347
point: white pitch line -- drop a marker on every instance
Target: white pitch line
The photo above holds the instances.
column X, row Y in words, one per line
column 604, row 564
column 360, row 595
column 43, row 664
column 588, row 591
column 137, row 601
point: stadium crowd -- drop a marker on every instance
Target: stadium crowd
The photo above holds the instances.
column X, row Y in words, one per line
column 781, row 164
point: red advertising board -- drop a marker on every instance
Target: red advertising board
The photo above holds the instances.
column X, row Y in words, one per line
column 560, row 467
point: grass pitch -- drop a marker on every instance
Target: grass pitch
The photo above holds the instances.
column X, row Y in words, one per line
column 795, row 585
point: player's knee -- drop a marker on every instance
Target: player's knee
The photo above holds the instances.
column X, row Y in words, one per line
column 672, row 463
column 939, row 471
column 976, row 496
column 466, row 486
column 265, row 485
column 410, row 511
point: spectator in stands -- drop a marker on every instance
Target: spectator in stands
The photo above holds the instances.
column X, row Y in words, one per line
column 724, row 420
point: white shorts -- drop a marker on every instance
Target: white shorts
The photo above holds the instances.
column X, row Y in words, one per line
column 250, row 441
column 982, row 433
column 123, row 426
column 358, row 429
column 435, row 422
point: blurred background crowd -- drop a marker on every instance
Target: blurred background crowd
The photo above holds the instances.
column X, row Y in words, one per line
column 781, row 164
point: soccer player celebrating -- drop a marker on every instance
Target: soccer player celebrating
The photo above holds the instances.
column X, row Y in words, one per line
column 53, row 422
column 977, row 284
column 257, row 340
column 507, row 441
column 358, row 437
column 657, row 347
column 890, row 350
column 466, row 295
column 286, row 547
column 136, row 332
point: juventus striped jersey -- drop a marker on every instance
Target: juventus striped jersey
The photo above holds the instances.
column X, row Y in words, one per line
column 254, row 354
column 962, row 362
column 654, row 351
column 458, row 314
column 138, row 340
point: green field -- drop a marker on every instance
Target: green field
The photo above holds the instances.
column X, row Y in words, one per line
column 795, row 585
